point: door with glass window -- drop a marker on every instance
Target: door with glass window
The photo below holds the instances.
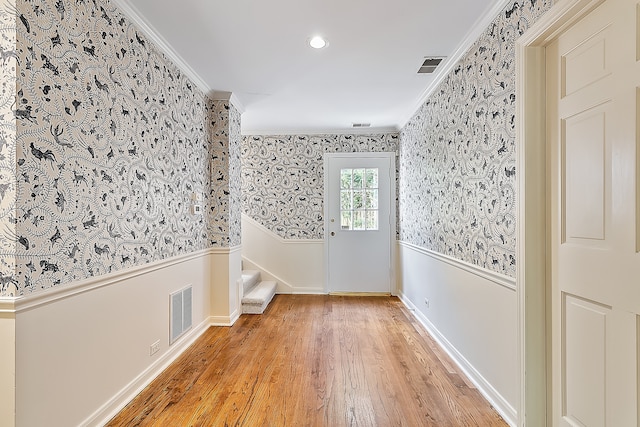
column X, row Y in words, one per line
column 359, row 221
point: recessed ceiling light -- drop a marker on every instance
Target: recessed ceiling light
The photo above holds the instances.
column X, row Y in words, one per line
column 317, row 42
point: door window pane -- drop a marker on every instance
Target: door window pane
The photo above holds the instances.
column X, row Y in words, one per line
column 345, row 200
column 372, row 199
column 359, row 199
column 358, row 178
column 345, row 178
column 358, row 220
column 345, row 220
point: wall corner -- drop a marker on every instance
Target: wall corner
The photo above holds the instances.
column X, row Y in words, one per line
column 7, row 362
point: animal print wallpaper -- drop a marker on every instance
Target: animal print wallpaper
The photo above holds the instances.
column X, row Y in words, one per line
column 283, row 178
column 112, row 143
column 225, row 215
column 8, row 64
column 457, row 153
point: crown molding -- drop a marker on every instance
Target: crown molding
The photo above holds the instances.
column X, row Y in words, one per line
column 315, row 132
column 229, row 97
column 148, row 30
column 233, row 99
column 450, row 62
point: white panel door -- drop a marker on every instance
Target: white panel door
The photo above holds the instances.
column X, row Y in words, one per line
column 359, row 221
column 592, row 98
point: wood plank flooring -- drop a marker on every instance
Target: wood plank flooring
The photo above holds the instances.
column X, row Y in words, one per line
column 313, row 360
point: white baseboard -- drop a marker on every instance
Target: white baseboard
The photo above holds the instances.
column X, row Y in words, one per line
column 501, row 405
column 111, row 408
column 224, row 320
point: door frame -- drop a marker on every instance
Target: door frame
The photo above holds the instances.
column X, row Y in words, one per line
column 391, row 156
column 533, row 226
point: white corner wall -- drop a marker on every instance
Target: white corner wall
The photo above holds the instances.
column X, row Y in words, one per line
column 83, row 351
column 7, row 363
column 297, row 265
column 472, row 314
column 226, row 275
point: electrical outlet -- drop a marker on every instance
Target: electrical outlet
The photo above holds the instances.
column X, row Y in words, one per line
column 426, row 302
column 154, row 348
column 196, row 209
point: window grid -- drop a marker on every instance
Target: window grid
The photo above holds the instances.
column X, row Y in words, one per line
column 359, row 199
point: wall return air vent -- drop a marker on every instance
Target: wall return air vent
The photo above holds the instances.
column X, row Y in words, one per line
column 430, row 64
column 180, row 313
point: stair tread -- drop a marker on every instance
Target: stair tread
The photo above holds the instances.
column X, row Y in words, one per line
column 249, row 279
column 263, row 291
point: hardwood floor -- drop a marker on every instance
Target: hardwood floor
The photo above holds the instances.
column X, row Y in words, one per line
column 313, row 360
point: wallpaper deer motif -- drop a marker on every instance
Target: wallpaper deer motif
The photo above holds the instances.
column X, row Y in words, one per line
column 283, row 178
column 457, row 153
column 8, row 64
column 112, row 141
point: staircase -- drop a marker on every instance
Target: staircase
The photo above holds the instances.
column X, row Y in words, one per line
column 257, row 294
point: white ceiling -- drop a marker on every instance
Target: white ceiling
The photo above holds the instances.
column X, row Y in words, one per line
column 258, row 51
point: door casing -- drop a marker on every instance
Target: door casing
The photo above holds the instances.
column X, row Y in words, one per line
column 532, row 280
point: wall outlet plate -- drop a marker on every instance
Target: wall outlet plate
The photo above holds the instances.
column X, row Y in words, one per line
column 153, row 349
column 196, row 209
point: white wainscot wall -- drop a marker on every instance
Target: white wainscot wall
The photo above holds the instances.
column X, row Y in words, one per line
column 297, row 265
column 472, row 314
column 83, row 351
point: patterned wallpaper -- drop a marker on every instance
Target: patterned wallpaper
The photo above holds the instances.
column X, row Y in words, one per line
column 235, row 177
column 457, row 153
column 8, row 242
column 283, row 181
column 225, row 217
column 112, row 141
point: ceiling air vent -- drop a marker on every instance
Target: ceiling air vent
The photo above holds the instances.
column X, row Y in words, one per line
column 430, row 64
column 361, row 125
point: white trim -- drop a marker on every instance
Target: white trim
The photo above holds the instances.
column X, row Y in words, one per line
column 121, row 399
column 233, row 99
column 67, row 291
column 443, row 70
column 323, row 131
column 533, row 350
column 317, row 290
column 485, row 388
column 229, row 97
column 224, row 320
column 500, row 279
column 8, row 305
column 280, row 239
column 134, row 15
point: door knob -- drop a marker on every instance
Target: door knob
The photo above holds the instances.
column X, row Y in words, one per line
column 333, row 233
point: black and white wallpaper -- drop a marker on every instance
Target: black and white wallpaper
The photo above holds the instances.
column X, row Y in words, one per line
column 112, row 142
column 457, row 153
column 226, row 205
column 283, row 178
column 8, row 63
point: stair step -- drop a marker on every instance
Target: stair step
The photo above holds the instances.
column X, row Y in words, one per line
column 259, row 297
column 250, row 278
